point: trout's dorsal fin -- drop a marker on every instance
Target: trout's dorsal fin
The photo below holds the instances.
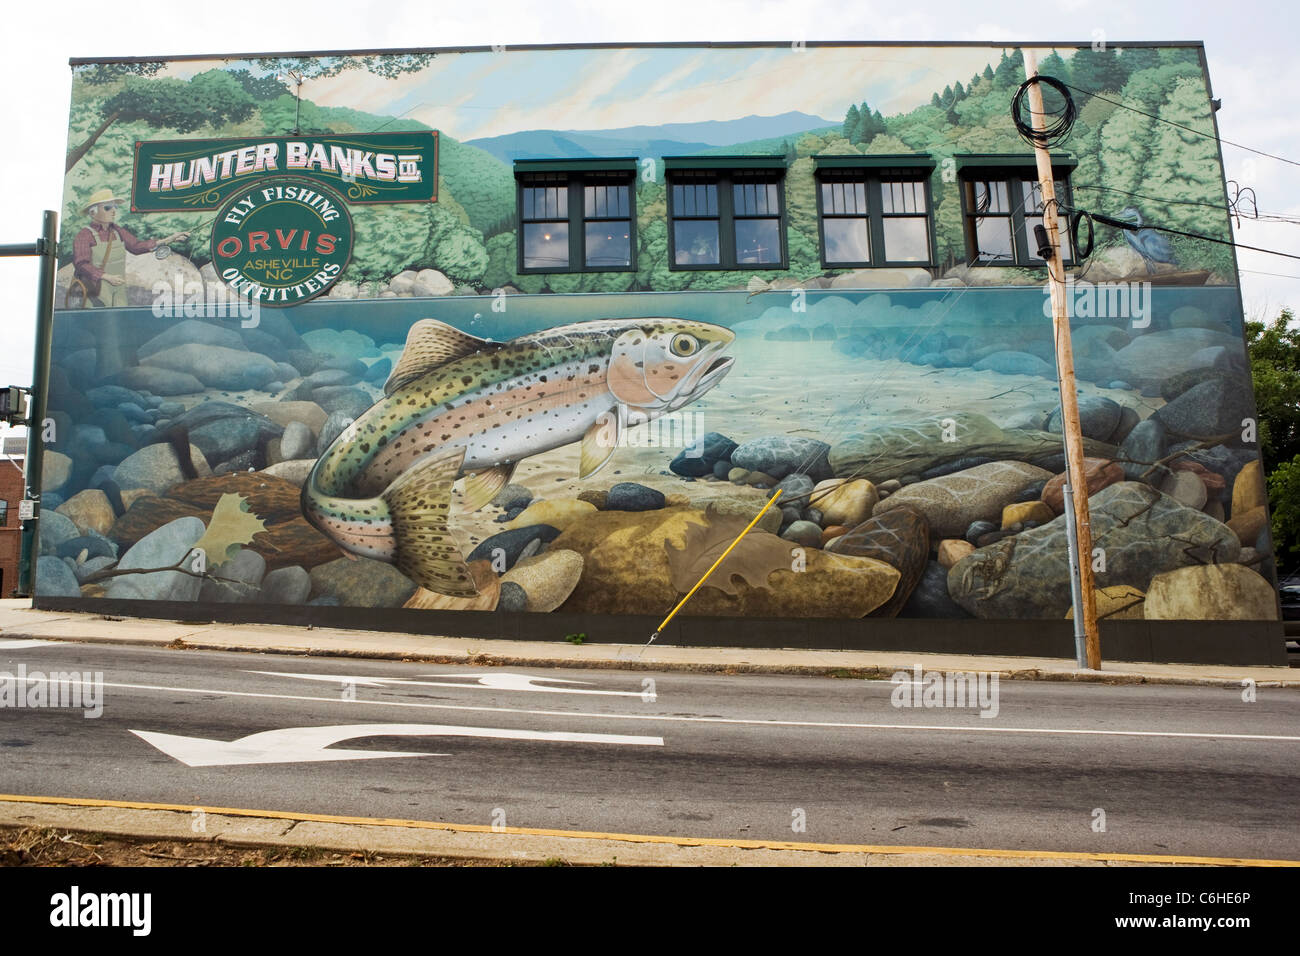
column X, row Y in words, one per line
column 431, row 343
column 482, row 486
column 598, row 443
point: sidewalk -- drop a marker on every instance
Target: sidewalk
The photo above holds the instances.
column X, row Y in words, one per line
column 18, row 620
column 416, row 838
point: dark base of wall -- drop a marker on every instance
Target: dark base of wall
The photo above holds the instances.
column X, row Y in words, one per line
column 1183, row 642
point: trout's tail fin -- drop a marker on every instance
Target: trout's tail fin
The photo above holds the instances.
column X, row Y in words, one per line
column 420, row 502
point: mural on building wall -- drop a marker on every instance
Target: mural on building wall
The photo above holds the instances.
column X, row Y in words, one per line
column 409, row 419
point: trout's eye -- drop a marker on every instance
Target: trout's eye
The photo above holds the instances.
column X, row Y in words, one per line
column 684, row 345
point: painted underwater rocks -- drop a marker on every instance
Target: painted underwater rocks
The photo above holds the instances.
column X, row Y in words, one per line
column 951, row 503
column 1141, row 531
column 899, row 537
column 458, row 404
column 918, row 446
column 640, row 562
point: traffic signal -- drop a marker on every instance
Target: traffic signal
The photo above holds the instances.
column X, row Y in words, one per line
column 13, row 405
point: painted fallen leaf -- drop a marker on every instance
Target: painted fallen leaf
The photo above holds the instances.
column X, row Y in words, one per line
column 232, row 526
column 754, row 559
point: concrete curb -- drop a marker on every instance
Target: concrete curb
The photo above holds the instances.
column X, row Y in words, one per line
column 420, row 839
column 19, row 621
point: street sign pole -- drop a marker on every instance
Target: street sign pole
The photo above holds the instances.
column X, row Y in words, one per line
column 46, row 247
column 1087, row 651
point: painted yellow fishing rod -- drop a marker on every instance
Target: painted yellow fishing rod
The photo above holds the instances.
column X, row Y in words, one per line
column 721, row 558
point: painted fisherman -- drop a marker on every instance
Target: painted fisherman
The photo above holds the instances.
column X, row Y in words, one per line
column 99, row 253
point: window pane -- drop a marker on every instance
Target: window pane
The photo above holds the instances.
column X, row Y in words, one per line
column 692, row 199
column 604, row 202
column 1063, row 230
column 907, row 196
column 695, row 242
column 609, row 243
column 546, row 202
column 1033, row 194
column 991, row 197
column 847, row 240
column 993, row 235
column 758, row 241
column 907, row 239
column 546, row 245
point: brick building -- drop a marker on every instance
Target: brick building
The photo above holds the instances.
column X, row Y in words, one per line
column 11, row 492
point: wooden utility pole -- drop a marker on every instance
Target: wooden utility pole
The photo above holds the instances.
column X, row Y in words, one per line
column 1076, row 484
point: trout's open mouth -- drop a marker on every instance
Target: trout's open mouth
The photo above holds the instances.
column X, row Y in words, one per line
column 704, row 376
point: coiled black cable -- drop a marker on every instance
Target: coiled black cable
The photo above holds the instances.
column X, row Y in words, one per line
column 1058, row 125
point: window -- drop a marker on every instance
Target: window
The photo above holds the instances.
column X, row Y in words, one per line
column 576, row 216
column 1001, row 204
column 4, row 514
column 874, row 210
column 726, row 212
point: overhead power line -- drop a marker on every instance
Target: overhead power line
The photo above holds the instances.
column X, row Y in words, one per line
column 1190, row 129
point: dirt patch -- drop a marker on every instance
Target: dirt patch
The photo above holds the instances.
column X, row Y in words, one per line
column 43, row 846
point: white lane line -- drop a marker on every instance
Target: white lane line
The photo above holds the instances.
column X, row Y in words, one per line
column 495, row 681
column 16, row 644
column 1276, row 738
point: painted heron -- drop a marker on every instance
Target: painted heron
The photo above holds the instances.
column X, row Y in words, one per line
column 1152, row 246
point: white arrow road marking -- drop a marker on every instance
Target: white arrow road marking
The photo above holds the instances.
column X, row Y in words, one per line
column 307, row 744
column 22, row 645
column 493, row 681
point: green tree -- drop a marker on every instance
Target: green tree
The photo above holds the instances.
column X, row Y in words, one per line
column 851, row 121
column 1284, row 508
column 259, row 87
column 211, row 97
column 1053, row 65
column 1275, row 370
column 1098, row 70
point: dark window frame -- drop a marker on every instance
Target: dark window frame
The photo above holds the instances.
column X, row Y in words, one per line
column 725, row 178
column 872, row 178
column 1014, row 178
column 576, row 178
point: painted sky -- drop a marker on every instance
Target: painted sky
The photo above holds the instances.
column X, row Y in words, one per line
column 476, row 95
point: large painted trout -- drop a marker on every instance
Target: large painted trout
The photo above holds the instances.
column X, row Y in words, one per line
column 460, row 405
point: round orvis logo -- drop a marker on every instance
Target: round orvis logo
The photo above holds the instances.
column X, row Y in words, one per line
column 282, row 242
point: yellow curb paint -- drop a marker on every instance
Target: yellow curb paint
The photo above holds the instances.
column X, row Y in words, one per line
column 648, row 838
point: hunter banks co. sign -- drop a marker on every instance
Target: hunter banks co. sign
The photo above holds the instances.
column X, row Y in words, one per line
column 282, row 233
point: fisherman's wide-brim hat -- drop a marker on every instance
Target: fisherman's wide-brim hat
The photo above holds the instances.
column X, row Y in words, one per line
column 102, row 195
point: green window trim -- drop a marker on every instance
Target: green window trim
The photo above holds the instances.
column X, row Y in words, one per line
column 873, row 176
column 618, row 165
column 1012, row 207
column 1062, row 163
column 574, row 213
column 727, row 175
column 903, row 161
column 679, row 163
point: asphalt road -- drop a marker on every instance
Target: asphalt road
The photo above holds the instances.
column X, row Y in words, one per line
column 1175, row 769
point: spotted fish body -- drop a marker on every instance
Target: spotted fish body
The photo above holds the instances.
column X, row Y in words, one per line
column 459, row 405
